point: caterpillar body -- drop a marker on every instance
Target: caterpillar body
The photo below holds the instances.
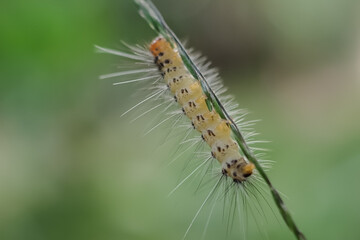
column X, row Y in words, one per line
column 187, row 91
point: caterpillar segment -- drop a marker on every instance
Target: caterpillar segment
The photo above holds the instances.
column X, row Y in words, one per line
column 187, row 91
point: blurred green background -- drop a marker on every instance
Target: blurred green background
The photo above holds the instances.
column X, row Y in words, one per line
column 71, row 168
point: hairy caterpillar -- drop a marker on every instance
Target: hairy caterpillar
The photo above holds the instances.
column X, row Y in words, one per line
column 187, row 91
column 187, row 81
column 172, row 85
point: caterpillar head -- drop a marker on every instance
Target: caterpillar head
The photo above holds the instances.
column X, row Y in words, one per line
column 239, row 170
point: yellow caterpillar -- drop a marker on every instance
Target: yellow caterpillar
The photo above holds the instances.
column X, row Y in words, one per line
column 171, row 86
column 187, row 91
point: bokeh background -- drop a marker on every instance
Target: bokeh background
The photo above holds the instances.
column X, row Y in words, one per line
column 71, row 168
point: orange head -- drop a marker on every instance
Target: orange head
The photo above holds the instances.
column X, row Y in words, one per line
column 239, row 170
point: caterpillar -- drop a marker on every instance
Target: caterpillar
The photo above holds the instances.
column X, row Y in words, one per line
column 182, row 79
column 173, row 84
column 187, row 91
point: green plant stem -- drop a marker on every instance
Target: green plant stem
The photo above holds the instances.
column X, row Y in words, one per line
column 152, row 15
